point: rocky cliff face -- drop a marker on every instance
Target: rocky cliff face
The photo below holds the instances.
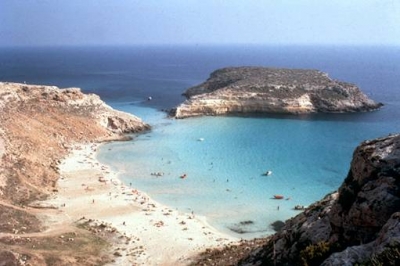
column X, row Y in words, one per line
column 269, row 90
column 360, row 223
column 70, row 100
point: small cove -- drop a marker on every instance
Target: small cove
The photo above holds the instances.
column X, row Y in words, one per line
column 309, row 155
column 224, row 159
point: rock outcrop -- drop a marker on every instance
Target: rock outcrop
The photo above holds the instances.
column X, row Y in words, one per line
column 70, row 100
column 360, row 223
column 244, row 90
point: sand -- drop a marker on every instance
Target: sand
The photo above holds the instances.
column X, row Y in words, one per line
column 157, row 235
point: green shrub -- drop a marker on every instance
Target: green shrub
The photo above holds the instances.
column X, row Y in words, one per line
column 315, row 254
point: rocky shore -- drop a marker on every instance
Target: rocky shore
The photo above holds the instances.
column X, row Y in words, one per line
column 247, row 90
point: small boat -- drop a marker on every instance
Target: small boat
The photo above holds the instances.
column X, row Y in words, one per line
column 278, row 197
column 299, row 207
column 200, row 139
column 268, row 173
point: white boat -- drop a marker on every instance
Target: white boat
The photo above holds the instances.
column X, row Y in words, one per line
column 268, row 173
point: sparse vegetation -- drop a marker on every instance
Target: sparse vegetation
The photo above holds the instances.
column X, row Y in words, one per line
column 389, row 257
column 229, row 255
column 314, row 255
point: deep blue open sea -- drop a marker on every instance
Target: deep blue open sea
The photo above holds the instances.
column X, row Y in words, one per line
column 309, row 155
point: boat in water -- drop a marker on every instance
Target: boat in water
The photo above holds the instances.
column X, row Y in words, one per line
column 268, row 173
column 299, row 207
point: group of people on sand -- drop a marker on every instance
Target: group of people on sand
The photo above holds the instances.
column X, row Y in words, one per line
column 159, row 224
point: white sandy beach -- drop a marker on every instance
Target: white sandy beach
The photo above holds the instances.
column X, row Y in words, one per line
column 158, row 235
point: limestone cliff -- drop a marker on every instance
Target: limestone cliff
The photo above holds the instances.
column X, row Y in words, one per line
column 70, row 99
column 360, row 223
column 241, row 90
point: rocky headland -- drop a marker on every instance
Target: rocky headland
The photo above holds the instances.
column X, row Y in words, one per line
column 357, row 225
column 39, row 126
column 247, row 90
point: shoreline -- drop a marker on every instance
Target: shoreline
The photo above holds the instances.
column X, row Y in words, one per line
column 89, row 190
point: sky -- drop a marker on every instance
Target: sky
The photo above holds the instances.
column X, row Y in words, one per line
column 171, row 22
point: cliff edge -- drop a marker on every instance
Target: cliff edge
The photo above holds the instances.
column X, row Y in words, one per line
column 244, row 90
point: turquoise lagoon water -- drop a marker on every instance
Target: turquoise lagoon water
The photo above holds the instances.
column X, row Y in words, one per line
column 309, row 155
column 224, row 159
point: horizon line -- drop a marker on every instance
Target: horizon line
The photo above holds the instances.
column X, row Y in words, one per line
column 202, row 45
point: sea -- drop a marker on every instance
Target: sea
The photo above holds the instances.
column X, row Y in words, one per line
column 223, row 159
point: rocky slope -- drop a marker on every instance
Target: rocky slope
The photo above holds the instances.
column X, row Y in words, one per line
column 38, row 125
column 242, row 90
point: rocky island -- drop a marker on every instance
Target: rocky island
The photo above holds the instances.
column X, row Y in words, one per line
column 246, row 90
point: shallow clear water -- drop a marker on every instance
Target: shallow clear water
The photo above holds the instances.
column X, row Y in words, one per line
column 224, row 159
column 309, row 155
